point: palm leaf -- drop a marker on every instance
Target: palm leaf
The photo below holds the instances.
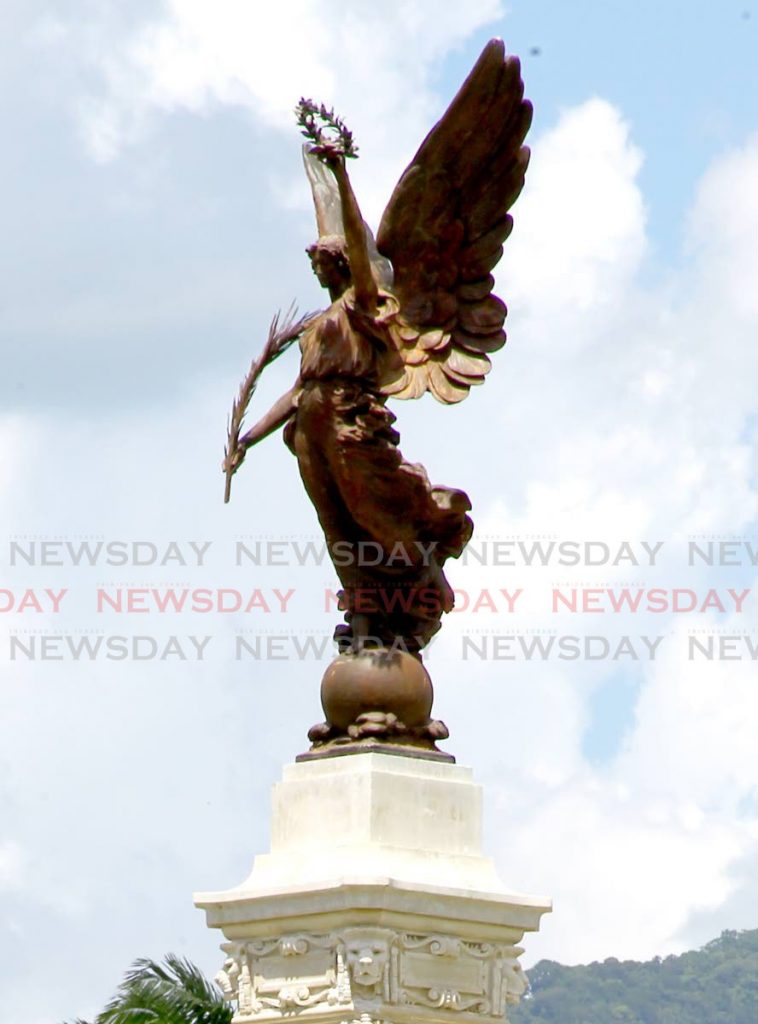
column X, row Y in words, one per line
column 172, row 992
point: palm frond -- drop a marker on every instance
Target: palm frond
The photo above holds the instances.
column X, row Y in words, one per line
column 171, row 992
column 281, row 334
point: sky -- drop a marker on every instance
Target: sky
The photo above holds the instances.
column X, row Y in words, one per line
column 155, row 215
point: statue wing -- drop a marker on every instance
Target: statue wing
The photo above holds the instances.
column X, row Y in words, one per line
column 444, row 228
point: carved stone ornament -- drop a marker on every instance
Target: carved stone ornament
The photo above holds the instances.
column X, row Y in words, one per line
column 364, row 975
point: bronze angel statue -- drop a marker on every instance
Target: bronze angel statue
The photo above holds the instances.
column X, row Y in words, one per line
column 411, row 312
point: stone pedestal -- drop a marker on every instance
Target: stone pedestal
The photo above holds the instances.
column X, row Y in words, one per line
column 375, row 902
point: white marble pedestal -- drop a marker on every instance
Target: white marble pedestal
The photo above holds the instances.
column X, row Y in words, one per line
column 375, row 903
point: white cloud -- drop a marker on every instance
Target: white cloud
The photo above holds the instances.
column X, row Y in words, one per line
column 11, row 865
column 620, row 874
column 693, row 739
column 722, row 231
column 17, row 442
column 581, row 220
column 377, row 64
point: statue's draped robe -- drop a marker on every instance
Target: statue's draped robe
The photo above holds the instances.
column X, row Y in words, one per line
column 362, row 488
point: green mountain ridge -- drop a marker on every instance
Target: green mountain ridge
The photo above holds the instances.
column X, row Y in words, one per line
column 717, row 984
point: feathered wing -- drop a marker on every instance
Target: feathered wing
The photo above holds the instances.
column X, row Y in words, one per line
column 444, row 228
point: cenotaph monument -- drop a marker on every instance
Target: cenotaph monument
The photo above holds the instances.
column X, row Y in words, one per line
column 375, row 902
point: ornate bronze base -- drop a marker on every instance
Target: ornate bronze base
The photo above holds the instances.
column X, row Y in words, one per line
column 379, row 699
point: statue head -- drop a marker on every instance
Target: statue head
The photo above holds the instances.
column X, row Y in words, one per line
column 330, row 264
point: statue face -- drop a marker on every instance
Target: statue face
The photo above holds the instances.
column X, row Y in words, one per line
column 330, row 267
column 367, row 957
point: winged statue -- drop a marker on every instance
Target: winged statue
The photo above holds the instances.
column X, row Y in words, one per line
column 411, row 312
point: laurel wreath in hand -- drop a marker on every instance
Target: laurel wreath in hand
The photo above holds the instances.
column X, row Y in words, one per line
column 328, row 133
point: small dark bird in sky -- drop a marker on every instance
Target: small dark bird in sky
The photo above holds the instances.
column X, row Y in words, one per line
column 534, row 51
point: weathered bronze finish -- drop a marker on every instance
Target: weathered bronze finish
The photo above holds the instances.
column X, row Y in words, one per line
column 410, row 313
column 391, row 682
column 378, row 697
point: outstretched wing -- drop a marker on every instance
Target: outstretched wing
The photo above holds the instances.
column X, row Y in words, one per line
column 444, row 228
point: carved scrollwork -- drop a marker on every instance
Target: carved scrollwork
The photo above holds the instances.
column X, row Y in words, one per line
column 447, row 999
column 294, row 945
column 437, row 945
column 366, row 970
column 261, row 947
column 482, row 950
column 292, row 997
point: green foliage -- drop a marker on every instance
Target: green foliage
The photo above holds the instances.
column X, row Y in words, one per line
column 174, row 992
column 714, row 985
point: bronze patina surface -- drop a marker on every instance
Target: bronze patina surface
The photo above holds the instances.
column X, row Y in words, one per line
column 411, row 312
